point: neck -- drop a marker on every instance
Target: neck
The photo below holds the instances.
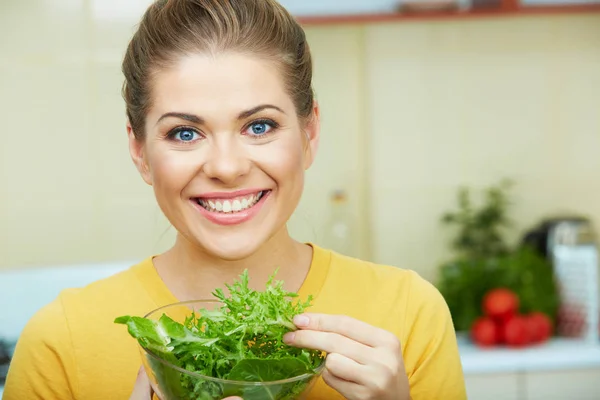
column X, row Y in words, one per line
column 191, row 273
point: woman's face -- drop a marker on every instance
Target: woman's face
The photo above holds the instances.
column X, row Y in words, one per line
column 225, row 151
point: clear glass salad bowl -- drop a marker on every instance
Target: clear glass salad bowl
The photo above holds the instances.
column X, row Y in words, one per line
column 171, row 382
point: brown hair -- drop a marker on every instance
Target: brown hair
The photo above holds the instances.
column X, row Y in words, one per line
column 170, row 29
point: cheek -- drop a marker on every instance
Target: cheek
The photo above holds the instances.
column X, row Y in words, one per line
column 283, row 160
column 172, row 171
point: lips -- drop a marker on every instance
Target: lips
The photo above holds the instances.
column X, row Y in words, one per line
column 235, row 204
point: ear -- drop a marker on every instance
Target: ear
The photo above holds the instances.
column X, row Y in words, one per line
column 313, row 135
column 138, row 155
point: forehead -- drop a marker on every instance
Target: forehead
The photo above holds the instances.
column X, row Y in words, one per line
column 218, row 83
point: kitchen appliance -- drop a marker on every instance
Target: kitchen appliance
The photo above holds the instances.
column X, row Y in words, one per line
column 6, row 350
column 568, row 229
column 569, row 244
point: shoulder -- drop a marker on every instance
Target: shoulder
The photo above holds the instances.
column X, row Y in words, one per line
column 48, row 325
column 43, row 360
column 397, row 299
column 99, row 303
column 92, row 300
column 75, row 337
column 355, row 273
column 117, row 285
column 404, row 303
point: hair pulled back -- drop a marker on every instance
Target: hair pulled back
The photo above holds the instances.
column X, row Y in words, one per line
column 171, row 29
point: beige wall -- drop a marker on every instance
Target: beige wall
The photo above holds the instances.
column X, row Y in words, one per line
column 422, row 108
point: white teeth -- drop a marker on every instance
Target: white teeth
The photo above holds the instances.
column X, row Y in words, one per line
column 228, row 206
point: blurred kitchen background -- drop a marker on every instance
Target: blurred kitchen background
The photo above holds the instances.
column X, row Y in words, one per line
column 419, row 101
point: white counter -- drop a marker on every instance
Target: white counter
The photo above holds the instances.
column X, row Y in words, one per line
column 558, row 370
column 557, row 354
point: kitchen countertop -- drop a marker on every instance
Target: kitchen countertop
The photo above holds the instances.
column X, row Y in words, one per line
column 557, row 354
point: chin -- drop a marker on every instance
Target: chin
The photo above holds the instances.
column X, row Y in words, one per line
column 229, row 249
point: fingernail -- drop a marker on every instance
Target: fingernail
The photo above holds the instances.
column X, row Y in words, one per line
column 289, row 337
column 301, row 320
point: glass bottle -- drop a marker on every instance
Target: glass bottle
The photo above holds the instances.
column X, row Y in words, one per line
column 339, row 235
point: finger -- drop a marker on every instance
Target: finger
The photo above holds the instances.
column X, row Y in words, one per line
column 345, row 368
column 330, row 343
column 349, row 390
column 351, row 328
column 141, row 389
column 233, row 398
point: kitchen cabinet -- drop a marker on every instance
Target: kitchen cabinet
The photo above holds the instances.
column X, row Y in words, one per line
column 581, row 384
column 492, row 386
column 562, row 369
column 336, row 7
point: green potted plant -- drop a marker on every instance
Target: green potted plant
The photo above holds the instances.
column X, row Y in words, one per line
column 483, row 260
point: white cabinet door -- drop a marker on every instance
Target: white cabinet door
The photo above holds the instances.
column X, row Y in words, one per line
column 583, row 384
column 492, row 386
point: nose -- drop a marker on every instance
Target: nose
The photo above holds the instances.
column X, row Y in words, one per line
column 227, row 162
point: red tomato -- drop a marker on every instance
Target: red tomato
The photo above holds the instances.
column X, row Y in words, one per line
column 500, row 331
column 500, row 304
column 483, row 332
column 539, row 326
column 516, row 331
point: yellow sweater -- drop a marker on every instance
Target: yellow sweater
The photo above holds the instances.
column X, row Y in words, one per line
column 71, row 349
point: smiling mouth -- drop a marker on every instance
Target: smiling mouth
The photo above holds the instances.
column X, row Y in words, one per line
column 231, row 205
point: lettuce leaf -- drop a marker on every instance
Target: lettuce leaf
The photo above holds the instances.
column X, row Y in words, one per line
column 257, row 370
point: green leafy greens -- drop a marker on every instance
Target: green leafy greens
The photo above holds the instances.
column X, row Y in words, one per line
column 239, row 340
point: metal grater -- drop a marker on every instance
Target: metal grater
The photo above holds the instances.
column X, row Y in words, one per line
column 575, row 261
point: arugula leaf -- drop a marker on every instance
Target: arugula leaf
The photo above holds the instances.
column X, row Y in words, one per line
column 242, row 340
column 256, row 370
column 145, row 330
column 265, row 370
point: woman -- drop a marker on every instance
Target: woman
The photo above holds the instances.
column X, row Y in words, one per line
column 222, row 124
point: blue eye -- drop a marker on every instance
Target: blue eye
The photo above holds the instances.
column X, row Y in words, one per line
column 185, row 135
column 259, row 128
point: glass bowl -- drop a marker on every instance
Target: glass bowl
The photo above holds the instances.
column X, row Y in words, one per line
column 171, row 382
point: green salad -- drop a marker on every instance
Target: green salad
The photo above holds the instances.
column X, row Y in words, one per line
column 241, row 339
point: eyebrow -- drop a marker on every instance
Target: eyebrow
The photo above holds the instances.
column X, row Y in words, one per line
column 257, row 109
column 188, row 117
column 199, row 121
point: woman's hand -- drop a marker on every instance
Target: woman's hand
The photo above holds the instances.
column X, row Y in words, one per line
column 363, row 362
column 143, row 391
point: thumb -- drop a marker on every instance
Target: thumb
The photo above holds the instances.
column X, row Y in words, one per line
column 233, row 398
column 141, row 389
